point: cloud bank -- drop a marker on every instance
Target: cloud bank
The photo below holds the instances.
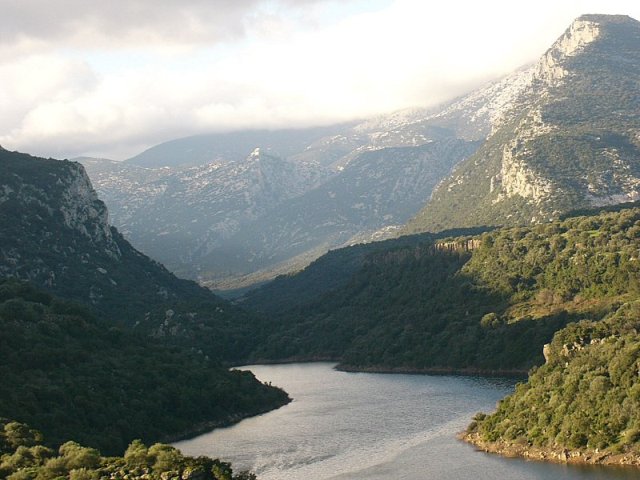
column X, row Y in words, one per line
column 112, row 78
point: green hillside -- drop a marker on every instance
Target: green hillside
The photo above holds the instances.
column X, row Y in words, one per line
column 488, row 302
column 584, row 399
column 99, row 343
column 76, row 377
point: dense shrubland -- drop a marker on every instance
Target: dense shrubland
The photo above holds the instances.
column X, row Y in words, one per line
column 585, row 397
column 76, row 377
column 24, row 457
column 441, row 305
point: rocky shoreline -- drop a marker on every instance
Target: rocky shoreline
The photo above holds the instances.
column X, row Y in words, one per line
column 551, row 454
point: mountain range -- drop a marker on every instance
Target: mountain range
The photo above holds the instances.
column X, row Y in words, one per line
column 568, row 140
column 100, row 343
column 235, row 209
column 92, row 322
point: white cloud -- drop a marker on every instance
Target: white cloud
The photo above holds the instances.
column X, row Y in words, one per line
column 258, row 65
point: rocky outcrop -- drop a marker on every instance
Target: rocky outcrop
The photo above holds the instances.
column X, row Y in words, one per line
column 551, row 454
column 582, row 32
column 83, row 211
column 465, row 245
column 66, row 192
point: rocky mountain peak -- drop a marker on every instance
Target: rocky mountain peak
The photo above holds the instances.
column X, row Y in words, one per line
column 608, row 31
column 569, row 140
column 580, row 33
column 602, row 19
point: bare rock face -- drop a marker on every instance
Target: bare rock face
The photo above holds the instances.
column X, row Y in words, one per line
column 517, row 178
column 568, row 139
column 550, row 67
column 83, row 211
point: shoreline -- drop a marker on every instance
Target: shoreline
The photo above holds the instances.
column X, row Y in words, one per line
column 478, row 372
column 552, row 454
column 472, row 372
column 208, row 426
column 284, row 361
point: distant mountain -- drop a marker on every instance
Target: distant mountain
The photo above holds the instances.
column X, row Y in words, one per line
column 568, row 139
column 211, row 222
column 377, row 189
column 181, row 216
column 231, row 147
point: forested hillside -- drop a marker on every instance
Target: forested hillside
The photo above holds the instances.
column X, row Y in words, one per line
column 331, row 272
column 488, row 302
column 585, row 399
column 80, row 378
column 124, row 349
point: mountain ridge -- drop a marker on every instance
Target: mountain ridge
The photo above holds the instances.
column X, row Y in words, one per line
column 56, row 237
column 469, row 117
column 570, row 143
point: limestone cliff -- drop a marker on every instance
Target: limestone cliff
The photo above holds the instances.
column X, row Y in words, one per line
column 569, row 140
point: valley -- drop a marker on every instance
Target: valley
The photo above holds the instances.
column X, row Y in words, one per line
column 494, row 235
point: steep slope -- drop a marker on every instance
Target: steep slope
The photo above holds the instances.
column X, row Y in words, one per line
column 221, row 221
column 580, row 406
column 375, row 190
column 179, row 217
column 569, row 141
column 145, row 347
column 56, row 235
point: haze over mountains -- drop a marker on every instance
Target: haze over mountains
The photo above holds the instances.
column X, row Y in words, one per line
column 234, row 209
column 141, row 343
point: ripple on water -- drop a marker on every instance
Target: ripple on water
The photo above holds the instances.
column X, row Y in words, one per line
column 357, row 426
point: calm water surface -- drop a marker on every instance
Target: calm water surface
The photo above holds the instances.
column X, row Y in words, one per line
column 352, row 426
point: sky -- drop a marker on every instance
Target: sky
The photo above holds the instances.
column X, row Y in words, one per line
column 112, row 78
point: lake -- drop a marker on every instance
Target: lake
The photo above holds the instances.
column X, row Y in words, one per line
column 353, row 426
